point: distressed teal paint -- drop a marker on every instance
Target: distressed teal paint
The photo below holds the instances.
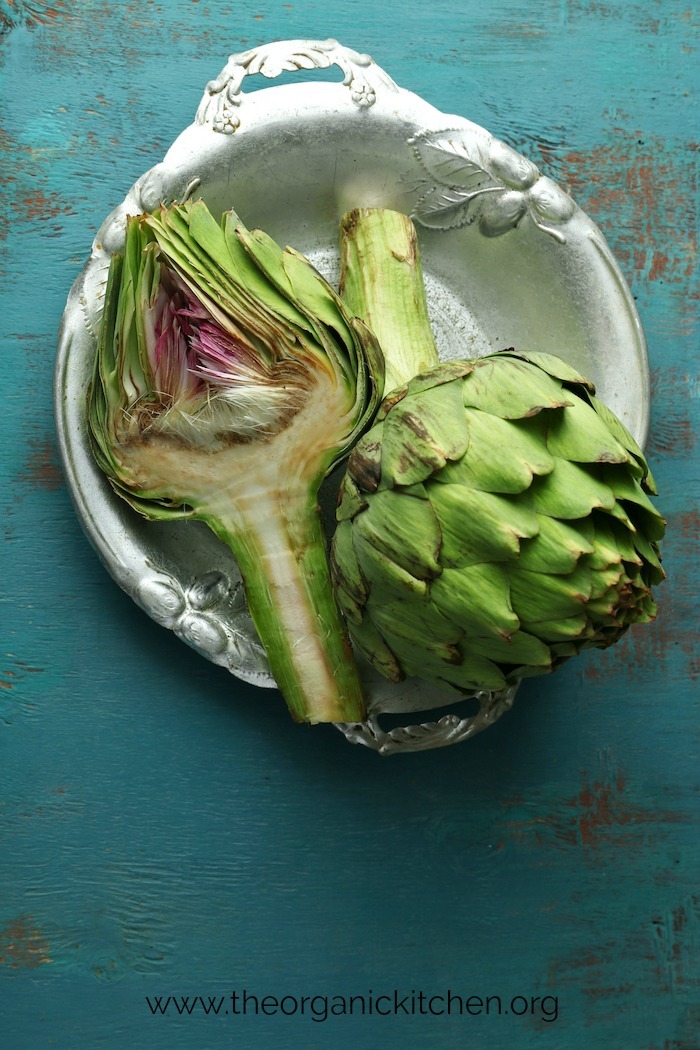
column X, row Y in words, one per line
column 165, row 829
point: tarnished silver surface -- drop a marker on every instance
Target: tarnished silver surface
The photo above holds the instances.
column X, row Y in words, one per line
column 509, row 260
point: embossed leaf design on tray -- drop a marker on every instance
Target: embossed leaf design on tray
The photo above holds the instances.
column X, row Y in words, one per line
column 489, row 183
column 446, row 157
column 449, row 209
column 455, row 199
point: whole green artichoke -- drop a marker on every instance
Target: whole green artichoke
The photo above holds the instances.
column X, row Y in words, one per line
column 494, row 522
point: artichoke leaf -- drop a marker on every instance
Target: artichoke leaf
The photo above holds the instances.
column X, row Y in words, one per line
column 558, row 545
column 539, row 596
column 351, row 501
column 345, row 569
column 554, row 366
column 374, row 648
column 564, row 650
column 613, row 544
column 605, row 581
column 477, row 598
column 473, row 673
column 519, row 648
column 485, row 467
column 422, row 433
column 445, row 372
column 650, row 554
column 571, row 492
column 365, row 465
column 642, row 511
column 384, row 576
column 562, row 630
column 511, row 388
column 622, row 434
column 579, row 434
column 405, row 529
column 410, row 637
column 414, row 624
column 479, row 526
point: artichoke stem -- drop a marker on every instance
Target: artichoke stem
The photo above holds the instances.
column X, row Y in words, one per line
column 381, row 281
column 281, row 552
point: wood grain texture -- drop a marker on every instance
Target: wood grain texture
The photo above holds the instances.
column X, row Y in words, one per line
column 165, row 829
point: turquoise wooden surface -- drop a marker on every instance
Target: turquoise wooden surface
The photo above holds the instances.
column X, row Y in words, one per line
column 166, row 831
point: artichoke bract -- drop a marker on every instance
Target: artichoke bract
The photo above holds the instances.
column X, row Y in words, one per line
column 496, row 519
column 229, row 380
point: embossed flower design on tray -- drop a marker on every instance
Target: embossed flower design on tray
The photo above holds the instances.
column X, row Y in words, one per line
column 194, row 613
column 491, row 185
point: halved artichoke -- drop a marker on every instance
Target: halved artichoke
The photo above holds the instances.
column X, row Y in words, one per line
column 229, row 380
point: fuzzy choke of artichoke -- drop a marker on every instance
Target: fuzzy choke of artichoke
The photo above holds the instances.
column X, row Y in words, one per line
column 495, row 520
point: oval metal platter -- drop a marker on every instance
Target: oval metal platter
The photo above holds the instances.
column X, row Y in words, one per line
column 509, row 260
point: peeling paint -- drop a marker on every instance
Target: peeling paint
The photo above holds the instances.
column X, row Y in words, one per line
column 39, row 205
column 22, row 944
column 14, row 13
column 604, row 813
column 637, row 15
column 663, row 955
column 16, row 700
column 9, row 678
column 26, row 200
column 56, row 806
column 43, row 468
column 650, row 186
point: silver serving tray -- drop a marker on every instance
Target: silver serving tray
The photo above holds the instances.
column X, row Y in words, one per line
column 509, row 260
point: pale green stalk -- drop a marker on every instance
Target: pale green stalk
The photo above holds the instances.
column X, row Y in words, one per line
column 382, row 282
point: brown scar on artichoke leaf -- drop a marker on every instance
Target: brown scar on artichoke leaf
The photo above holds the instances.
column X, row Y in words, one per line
column 365, row 465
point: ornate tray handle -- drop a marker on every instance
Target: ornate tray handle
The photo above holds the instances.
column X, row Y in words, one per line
column 223, row 96
column 449, row 729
